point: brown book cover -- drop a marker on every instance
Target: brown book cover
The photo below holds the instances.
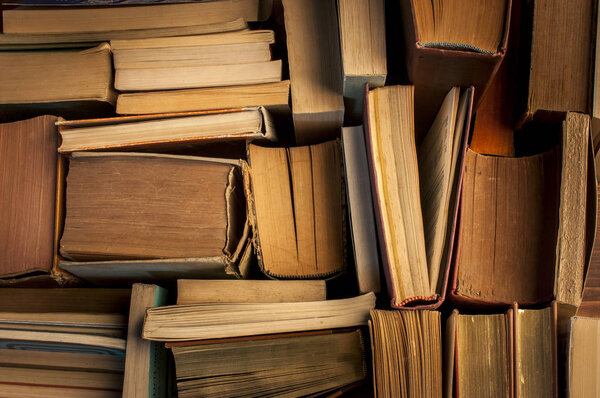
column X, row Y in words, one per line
column 452, row 212
column 433, row 71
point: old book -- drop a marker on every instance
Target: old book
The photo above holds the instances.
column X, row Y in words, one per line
column 315, row 71
column 28, row 200
column 407, row 345
column 165, row 129
column 145, row 193
column 481, row 349
column 33, row 41
column 198, row 291
column 460, row 43
column 301, row 234
column 38, row 82
column 62, row 360
column 101, row 382
column 43, row 20
column 558, row 73
column 145, row 361
column 409, row 189
column 273, row 96
column 222, row 320
column 528, row 220
column 360, row 204
column 301, row 364
column 535, row 344
column 362, row 45
column 583, row 351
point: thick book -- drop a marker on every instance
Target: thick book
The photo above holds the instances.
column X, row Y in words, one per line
column 315, row 71
column 34, row 83
column 403, row 341
column 527, row 223
column 300, row 233
column 199, row 291
column 360, row 209
column 582, row 357
column 28, row 201
column 158, row 218
column 162, row 130
column 363, row 52
column 558, row 74
column 461, row 45
column 415, row 218
column 222, row 320
column 298, row 364
column 511, row 354
column 145, row 361
column 273, row 96
column 45, row 20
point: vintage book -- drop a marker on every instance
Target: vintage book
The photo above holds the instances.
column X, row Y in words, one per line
column 43, row 20
column 38, row 82
column 63, row 360
column 300, row 234
column 583, row 353
column 28, row 201
column 360, row 209
column 142, row 231
column 590, row 306
column 479, row 355
column 461, row 43
column 273, row 96
column 527, row 223
column 145, row 361
column 241, row 47
column 315, row 71
column 222, row 320
column 27, row 41
column 184, row 128
column 301, row 364
column 559, row 72
column 416, row 218
column 70, row 300
column 362, row 45
column 407, row 345
column 199, row 291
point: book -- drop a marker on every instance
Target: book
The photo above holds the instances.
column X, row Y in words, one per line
column 63, row 360
column 44, row 20
column 145, row 361
column 153, row 236
column 315, row 72
column 535, row 205
column 222, row 320
column 301, row 364
column 28, row 201
column 583, row 336
column 461, row 45
column 301, row 234
column 415, row 256
column 33, row 83
column 273, row 96
column 360, row 209
column 363, row 55
column 198, row 291
column 558, row 72
column 160, row 130
column 408, row 345
column 33, row 41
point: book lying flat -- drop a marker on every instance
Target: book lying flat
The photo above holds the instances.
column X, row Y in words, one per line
column 42, row 82
column 300, row 234
column 416, row 194
column 222, row 320
column 300, row 364
column 163, row 129
column 43, row 20
column 142, row 231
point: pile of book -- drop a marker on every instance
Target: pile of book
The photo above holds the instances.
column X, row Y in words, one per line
column 299, row 198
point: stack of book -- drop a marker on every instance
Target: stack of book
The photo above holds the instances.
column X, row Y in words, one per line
column 381, row 198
